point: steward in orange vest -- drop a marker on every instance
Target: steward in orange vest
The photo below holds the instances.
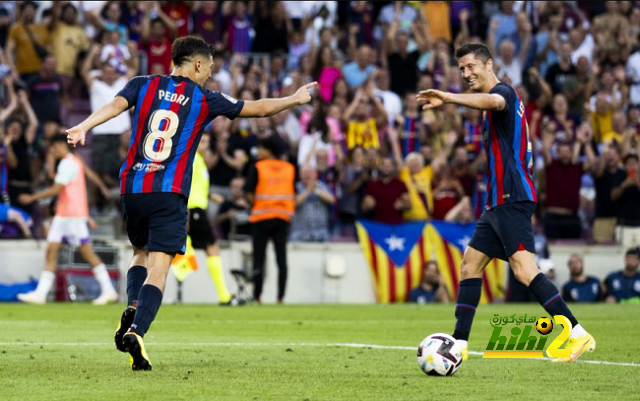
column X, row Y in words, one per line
column 270, row 188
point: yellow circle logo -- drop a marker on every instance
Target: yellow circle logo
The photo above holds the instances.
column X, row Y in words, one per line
column 544, row 325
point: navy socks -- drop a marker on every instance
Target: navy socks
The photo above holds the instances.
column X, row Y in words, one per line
column 547, row 294
column 135, row 280
column 149, row 302
column 466, row 304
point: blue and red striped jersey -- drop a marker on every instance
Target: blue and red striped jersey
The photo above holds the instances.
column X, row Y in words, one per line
column 170, row 116
column 509, row 152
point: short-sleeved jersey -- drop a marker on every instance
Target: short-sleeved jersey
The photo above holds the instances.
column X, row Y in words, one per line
column 509, row 152
column 624, row 288
column 170, row 116
column 589, row 291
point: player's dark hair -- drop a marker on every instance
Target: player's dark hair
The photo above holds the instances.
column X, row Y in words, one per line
column 185, row 48
column 58, row 138
column 479, row 51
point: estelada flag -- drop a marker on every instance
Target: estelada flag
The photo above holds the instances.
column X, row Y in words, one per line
column 183, row 265
column 396, row 255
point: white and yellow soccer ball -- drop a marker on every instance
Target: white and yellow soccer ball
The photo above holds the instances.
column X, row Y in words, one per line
column 439, row 355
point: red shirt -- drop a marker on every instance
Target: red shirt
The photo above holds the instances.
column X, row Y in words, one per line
column 159, row 52
column 563, row 185
column 386, row 195
column 179, row 12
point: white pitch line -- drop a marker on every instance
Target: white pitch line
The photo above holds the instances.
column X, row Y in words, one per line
column 298, row 344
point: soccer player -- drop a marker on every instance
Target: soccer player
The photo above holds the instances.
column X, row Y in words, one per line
column 69, row 224
column 504, row 230
column 155, row 179
column 202, row 237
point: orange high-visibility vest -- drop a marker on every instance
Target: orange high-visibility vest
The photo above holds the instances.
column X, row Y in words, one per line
column 275, row 193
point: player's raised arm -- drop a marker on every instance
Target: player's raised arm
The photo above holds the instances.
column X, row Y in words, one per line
column 269, row 107
column 78, row 133
column 481, row 101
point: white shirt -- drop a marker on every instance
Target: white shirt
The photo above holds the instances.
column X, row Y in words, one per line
column 633, row 72
column 513, row 71
column 391, row 102
column 306, row 145
column 67, row 171
column 101, row 94
column 586, row 49
column 223, row 77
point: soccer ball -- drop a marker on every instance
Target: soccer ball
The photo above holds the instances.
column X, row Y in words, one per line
column 439, row 355
column 544, row 325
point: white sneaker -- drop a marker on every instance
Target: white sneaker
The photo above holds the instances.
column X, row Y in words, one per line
column 106, row 298
column 32, row 298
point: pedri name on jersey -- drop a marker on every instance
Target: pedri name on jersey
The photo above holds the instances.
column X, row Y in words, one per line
column 172, row 97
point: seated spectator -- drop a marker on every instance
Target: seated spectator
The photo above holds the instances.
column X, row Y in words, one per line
column 311, row 220
column 233, row 216
column 431, row 288
column 564, row 176
column 618, row 125
column 387, row 197
column 606, row 176
column 626, row 195
column 624, row 286
column 564, row 123
column 580, row 287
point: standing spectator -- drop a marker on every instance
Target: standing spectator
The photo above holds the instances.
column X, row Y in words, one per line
column 354, row 181
column 562, row 123
column 111, row 20
column 504, row 24
column 362, row 129
column 69, row 40
column 103, row 86
column 624, row 286
column 387, row 197
column 46, row 91
column 633, row 74
column 577, row 87
column 208, row 22
column 563, row 178
column 562, row 71
column 270, row 190
column 357, row 72
column 390, row 100
column 180, row 13
column 22, row 137
column 29, row 41
column 219, row 73
column 401, row 63
column 626, row 195
column 580, row 287
column 606, row 176
column 271, row 28
column 432, row 287
column 509, row 64
column 155, row 41
column 233, row 216
column 411, row 130
column 227, row 159
column 238, row 36
column 5, row 23
column 406, row 15
column 311, row 220
column 325, row 72
column 545, row 43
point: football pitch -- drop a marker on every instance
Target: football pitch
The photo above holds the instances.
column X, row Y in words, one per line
column 335, row 352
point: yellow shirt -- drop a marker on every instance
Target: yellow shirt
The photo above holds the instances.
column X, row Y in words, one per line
column 439, row 27
column 199, row 196
column 27, row 60
column 612, row 136
column 419, row 187
column 602, row 124
column 364, row 134
column 68, row 42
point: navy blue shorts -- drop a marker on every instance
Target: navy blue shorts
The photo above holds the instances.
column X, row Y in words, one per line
column 504, row 230
column 157, row 221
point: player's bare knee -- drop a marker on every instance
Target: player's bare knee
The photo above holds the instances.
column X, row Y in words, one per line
column 469, row 270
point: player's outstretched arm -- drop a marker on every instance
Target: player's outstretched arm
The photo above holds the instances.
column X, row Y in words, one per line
column 481, row 101
column 78, row 133
column 269, row 107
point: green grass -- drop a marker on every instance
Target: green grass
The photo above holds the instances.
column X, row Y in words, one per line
column 65, row 352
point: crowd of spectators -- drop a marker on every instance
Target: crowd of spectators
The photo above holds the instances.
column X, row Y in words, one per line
column 363, row 147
